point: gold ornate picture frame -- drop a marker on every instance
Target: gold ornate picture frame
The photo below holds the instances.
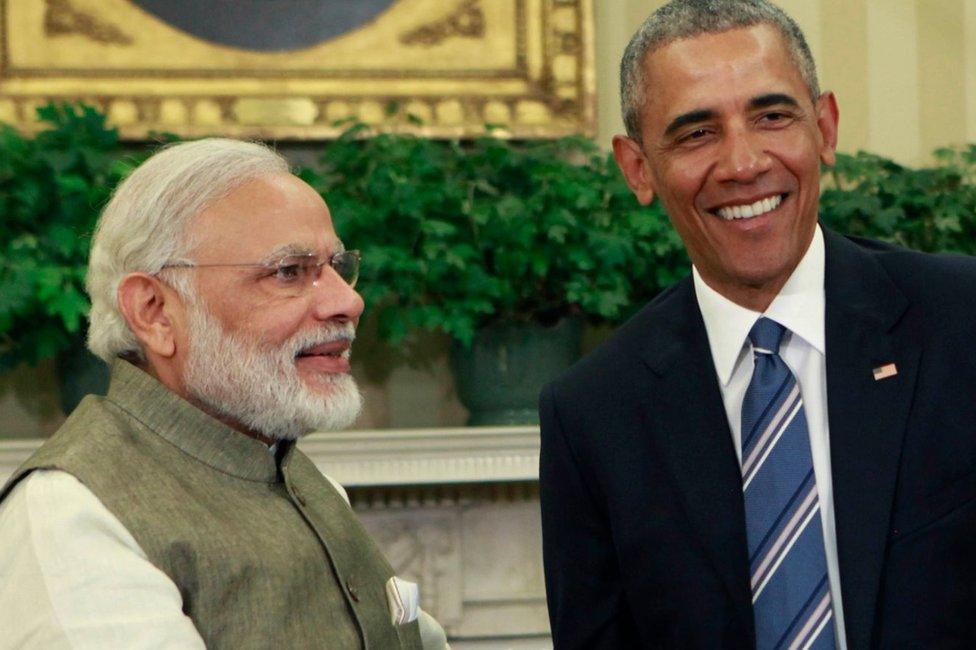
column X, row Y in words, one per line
column 440, row 68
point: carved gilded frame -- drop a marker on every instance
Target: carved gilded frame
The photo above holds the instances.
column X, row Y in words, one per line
column 440, row 68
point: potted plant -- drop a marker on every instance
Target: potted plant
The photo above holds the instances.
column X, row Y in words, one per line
column 507, row 248
column 52, row 186
column 931, row 208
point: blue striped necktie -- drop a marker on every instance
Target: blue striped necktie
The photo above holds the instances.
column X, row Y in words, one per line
column 787, row 564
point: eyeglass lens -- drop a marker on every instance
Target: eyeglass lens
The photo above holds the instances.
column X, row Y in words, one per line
column 346, row 265
column 296, row 273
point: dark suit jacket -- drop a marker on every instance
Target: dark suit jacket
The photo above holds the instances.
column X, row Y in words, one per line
column 643, row 526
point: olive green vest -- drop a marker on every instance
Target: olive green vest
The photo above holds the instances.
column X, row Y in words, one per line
column 265, row 552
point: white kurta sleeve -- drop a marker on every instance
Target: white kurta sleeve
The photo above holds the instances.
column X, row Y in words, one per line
column 72, row 576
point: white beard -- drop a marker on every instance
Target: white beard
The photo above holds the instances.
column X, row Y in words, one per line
column 261, row 388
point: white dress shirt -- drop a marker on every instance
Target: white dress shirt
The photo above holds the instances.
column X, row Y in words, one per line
column 799, row 307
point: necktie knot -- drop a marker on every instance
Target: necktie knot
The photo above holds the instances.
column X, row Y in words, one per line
column 766, row 336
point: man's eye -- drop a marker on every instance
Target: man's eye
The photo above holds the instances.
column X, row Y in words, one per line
column 775, row 118
column 694, row 136
column 289, row 272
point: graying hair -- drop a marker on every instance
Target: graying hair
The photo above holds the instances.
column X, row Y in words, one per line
column 144, row 226
column 681, row 19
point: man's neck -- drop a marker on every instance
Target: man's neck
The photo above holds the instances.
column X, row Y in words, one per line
column 753, row 297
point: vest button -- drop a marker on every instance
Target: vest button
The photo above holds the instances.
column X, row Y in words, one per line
column 351, row 588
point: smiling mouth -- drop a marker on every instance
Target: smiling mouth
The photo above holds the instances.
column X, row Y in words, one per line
column 333, row 355
column 750, row 210
column 334, row 349
column 327, row 358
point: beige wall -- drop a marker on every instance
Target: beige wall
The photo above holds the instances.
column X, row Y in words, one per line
column 904, row 71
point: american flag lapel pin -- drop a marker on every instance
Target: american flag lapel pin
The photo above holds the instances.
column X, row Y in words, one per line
column 885, row 371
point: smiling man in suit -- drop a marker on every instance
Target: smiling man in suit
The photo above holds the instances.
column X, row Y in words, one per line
column 779, row 450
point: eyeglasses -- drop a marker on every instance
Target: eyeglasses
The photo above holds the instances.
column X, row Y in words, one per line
column 293, row 275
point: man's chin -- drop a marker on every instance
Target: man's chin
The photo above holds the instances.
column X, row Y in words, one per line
column 343, row 399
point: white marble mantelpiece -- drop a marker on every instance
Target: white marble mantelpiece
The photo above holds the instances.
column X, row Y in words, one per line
column 455, row 510
column 395, row 456
column 427, row 456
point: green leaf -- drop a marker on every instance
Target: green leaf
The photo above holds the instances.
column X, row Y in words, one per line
column 438, row 228
column 49, row 282
column 71, row 307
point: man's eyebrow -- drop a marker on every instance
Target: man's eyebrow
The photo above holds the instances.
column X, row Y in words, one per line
column 285, row 251
column 773, row 99
column 296, row 249
column 691, row 117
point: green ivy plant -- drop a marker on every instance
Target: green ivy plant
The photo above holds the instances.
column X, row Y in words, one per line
column 930, row 209
column 458, row 236
column 52, row 187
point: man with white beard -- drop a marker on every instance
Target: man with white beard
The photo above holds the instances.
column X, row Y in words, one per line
column 177, row 511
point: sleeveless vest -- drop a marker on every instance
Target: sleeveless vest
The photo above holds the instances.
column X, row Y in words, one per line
column 264, row 551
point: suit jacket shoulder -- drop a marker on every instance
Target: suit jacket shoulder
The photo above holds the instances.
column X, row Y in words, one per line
column 940, row 285
column 645, row 338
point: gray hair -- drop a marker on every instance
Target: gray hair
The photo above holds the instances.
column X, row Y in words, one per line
column 144, row 226
column 680, row 19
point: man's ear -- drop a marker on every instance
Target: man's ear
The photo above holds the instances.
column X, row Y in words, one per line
column 146, row 304
column 828, row 118
column 631, row 160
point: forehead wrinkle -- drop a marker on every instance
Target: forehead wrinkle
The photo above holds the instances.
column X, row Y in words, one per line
column 679, row 63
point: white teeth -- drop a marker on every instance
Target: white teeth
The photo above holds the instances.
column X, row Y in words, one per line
column 761, row 206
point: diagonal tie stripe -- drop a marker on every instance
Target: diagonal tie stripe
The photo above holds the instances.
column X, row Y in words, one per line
column 818, row 619
column 787, row 562
column 788, row 410
column 749, row 439
column 784, row 544
column 792, row 506
column 795, row 520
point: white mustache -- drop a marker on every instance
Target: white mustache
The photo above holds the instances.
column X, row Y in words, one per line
column 330, row 333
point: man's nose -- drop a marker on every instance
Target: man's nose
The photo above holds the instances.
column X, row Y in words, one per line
column 334, row 299
column 743, row 158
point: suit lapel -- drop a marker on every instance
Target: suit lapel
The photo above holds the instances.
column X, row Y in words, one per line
column 685, row 406
column 867, row 418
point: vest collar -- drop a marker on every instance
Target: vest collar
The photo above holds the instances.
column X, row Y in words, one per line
column 183, row 425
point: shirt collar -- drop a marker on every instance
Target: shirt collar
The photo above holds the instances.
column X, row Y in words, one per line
column 799, row 307
column 188, row 428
